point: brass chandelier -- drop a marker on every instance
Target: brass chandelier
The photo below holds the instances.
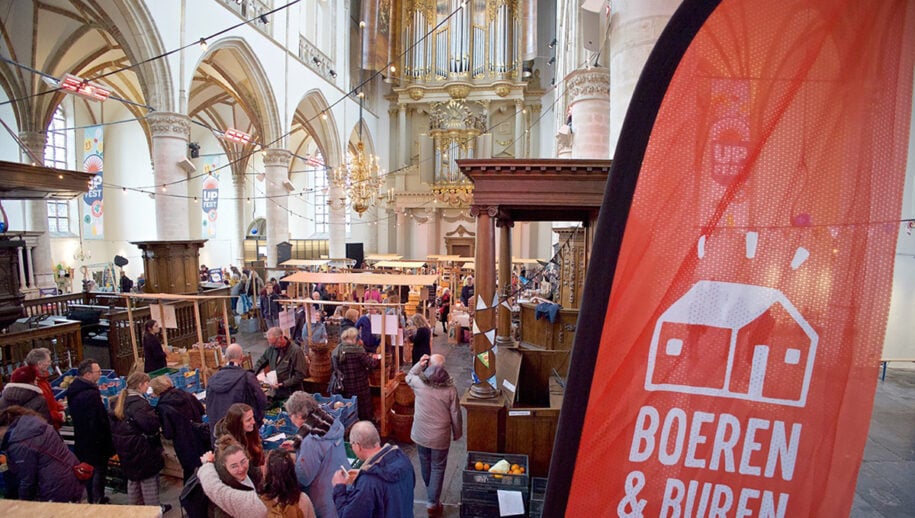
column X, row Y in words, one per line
column 359, row 178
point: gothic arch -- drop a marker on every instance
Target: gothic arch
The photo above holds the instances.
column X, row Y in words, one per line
column 314, row 116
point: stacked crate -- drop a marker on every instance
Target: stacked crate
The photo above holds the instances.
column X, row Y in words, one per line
column 538, row 493
column 479, row 494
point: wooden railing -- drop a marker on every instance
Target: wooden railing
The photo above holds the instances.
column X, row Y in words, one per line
column 60, row 339
column 119, row 346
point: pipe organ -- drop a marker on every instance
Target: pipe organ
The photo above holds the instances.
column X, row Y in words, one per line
column 478, row 39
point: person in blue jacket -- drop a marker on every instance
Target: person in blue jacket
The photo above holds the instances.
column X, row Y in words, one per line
column 319, row 448
column 383, row 485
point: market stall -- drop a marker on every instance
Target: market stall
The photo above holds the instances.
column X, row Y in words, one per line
column 387, row 387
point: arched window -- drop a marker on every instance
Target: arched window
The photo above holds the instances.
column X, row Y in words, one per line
column 55, row 155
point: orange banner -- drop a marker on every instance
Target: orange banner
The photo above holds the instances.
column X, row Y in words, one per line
column 738, row 356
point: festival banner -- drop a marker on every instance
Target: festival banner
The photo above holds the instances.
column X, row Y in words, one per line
column 93, row 220
column 209, row 197
column 738, row 291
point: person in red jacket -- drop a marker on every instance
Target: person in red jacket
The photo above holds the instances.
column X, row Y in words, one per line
column 40, row 360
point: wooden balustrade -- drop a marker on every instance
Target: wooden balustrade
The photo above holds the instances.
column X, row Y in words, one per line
column 119, row 346
column 60, row 339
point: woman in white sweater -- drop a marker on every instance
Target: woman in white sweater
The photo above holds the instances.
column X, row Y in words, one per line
column 225, row 481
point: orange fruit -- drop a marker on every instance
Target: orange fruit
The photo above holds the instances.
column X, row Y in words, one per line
column 478, row 466
column 514, row 467
column 486, row 467
column 521, row 470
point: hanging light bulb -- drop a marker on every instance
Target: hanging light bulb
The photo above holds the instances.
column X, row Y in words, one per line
column 203, row 44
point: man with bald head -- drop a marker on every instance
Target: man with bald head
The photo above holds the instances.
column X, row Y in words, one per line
column 436, row 422
column 383, row 485
column 234, row 384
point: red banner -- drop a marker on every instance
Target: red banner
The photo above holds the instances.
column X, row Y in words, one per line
column 738, row 356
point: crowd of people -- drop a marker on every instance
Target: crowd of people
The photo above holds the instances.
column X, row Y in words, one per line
column 226, row 469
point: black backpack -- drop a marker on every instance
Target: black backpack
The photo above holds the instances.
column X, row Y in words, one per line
column 193, row 500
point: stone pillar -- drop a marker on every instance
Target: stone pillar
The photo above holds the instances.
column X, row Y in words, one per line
column 371, row 228
column 504, row 328
column 519, row 128
column 276, row 171
column 484, row 319
column 170, row 134
column 401, row 232
column 404, row 152
column 241, row 222
column 589, row 90
column 336, row 238
column 435, row 232
column 40, row 267
column 635, row 27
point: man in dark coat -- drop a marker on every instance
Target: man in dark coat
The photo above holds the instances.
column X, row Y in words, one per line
column 234, row 384
column 383, row 486
column 181, row 415
column 287, row 360
column 91, row 428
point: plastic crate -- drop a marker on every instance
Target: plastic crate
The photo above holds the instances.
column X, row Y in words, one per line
column 538, row 493
column 185, row 382
column 489, row 495
column 59, row 393
column 111, row 387
column 70, row 372
column 348, row 413
column 485, row 478
column 167, row 371
column 478, row 510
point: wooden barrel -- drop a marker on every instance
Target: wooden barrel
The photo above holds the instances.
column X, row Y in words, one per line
column 319, row 365
column 401, row 424
column 404, row 396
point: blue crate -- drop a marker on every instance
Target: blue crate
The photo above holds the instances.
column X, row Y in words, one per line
column 108, row 373
column 186, row 383
column 348, row 414
column 60, row 379
column 59, row 393
column 111, row 386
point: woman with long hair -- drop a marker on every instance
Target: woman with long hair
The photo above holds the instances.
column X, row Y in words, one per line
column 422, row 338
column 239, row 422
column 224, row 478
column 445, row 308
column 181, row 415
column 280, row 490
column 153, row 353
column 135, row 432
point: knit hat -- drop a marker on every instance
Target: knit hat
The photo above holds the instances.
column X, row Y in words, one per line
column 24, row 374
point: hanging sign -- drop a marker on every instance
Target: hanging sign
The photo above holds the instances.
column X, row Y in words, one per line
column 735, row 331
column 209, row 198
column 93, row 221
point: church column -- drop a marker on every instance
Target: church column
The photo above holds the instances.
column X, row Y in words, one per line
column 401, row 232
column 589, row 90
column 519, row 129
column 276, row 169
column 241, row 223
column 40, row 268
column 336, row 238
column 170, row 134
column 404, row 153
column 504, row 329
column 636, row 27
column 435, row 232
column 484, row 357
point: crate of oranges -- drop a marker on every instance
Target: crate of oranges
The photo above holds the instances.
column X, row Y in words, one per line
column 496, row 469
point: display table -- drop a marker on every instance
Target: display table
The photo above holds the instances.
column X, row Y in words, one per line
column 459, row 321
column 24, row 509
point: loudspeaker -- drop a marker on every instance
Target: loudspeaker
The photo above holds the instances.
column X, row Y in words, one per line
column 590, row 14
column 354, row 251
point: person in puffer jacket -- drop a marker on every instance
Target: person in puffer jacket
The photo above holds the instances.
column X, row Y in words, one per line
column 40, row 462
column 383, row 485
column 22, row 391
column 135, row 431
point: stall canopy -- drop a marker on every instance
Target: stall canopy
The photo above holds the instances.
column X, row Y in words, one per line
column 400, row 264
column 363, row 278
column 299, row 263
column 383, row 257
column 442, row 258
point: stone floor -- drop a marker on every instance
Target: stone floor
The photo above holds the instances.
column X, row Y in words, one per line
column 886, row 482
